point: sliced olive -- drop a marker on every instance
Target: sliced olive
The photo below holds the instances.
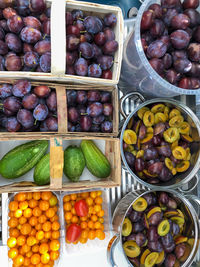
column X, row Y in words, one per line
column 140, row 154
column 161, row 257
column 146, row 223
column 178, row 220
column 186, row 254
column 160, row 117
column 179, row 152
column 130, row 137
column 171, row 135
column 149, row 175
column 140, row 174
column 140, row 204
column 188, row 154
column 147, row 139
column 148, row 119
column 158, row 108
column 144, row 255
column 171, row 213
column 131, row 249
column 174, row 144
column 163, row 228
column 180, row 213
column 169, row 163
column 174, row 171
column 137, row 126
column 126, row 227
column 190, row 241
column 174, row 112
column 152, row 211
column 176, row 121
column 183, row 166
column 184, row 128
column 134, row 152
column 141, row 112
column 180, row 239
column 186, row 138
column 149, row 129
column 151, row 259
column 130, row 123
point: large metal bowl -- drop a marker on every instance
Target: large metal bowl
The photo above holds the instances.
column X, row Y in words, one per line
column 189, row 205
column 180, row 179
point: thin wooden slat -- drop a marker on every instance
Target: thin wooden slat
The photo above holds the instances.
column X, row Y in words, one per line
column 56, row 163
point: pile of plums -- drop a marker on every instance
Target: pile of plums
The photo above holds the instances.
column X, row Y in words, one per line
column 28, row 109
column 90, row 44
column 153, row 232
column 25, row 36
column 170, row 36
column 89, row 111
column 157, row 143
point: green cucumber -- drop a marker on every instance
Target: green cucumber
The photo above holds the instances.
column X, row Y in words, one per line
column 96, row 161
column 22, row 158
column 42, row 171
column 74, row 163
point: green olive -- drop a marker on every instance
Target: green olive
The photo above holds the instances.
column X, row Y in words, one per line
column 163, row 228
column 126, row 227
column 131, row 249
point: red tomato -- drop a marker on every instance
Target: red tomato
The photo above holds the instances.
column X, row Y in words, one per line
column 73, row 232
column 81, row 208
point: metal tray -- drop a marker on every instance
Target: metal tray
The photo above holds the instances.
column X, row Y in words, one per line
column 128, row 182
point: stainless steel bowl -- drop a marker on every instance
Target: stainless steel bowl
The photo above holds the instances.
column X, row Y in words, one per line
column 189, row 204
column 182, row 178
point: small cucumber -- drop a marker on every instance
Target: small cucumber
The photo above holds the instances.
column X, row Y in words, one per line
column 42, row 171
column 22, row 158
column 74, row 163
column 96, row 161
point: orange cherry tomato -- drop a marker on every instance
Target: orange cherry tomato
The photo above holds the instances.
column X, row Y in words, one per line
column 11, row 242
column 12, row 253
column 35, row 259
column 54, row 245
column 13, row 205
column 19, row 260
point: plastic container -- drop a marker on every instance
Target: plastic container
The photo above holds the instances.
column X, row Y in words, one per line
column 91, row 245
column 137, row 73
column 61, row 239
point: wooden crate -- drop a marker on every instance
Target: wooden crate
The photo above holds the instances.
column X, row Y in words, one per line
column 61, row 90
column 58, row 181
column 58, row 44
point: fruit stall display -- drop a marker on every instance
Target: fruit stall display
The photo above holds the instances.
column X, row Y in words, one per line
column 36, row 221
column 46, row 107
column 88, row 44
column 66, row 163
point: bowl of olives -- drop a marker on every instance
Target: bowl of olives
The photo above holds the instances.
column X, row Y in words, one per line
column 160, row 143
column 156, row 228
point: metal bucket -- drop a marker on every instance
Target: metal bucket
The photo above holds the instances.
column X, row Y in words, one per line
column 190, row 205
column 180, row 179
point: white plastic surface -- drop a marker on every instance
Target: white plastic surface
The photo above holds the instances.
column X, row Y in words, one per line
column 6, row 146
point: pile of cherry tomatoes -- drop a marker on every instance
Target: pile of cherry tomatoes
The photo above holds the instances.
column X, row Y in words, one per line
column 84, row 217
column 33, row 229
